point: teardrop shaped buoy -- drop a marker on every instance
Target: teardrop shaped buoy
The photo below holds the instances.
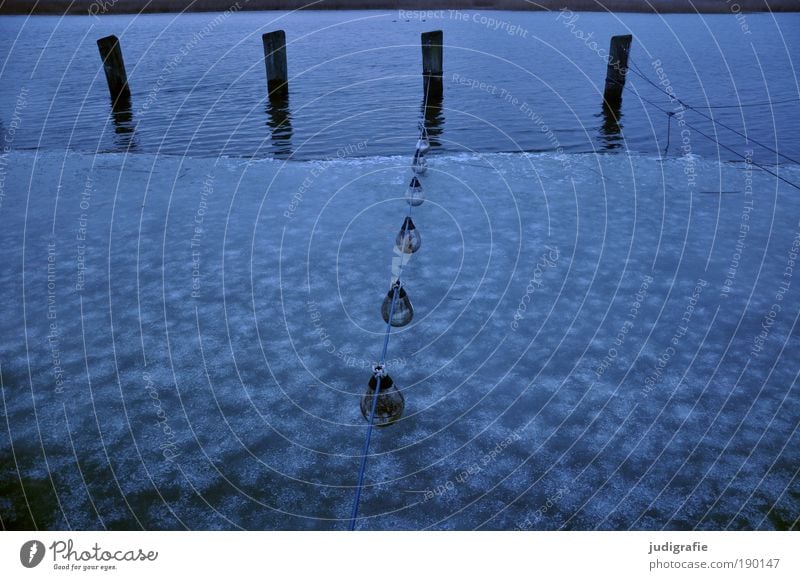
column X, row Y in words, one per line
column 403, row 311
column 408, row 239
column 414, row 195
column 390, row 404
column 419, row 164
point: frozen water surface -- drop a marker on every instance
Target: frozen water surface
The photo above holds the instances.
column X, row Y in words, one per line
column 185, row 341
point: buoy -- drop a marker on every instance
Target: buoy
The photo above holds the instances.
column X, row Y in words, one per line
column 414, row 195
column 408, row 239
column 419, row 165
column 403, row 310
column 390, row 404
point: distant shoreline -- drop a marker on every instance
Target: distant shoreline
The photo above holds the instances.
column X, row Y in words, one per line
column 104, row 7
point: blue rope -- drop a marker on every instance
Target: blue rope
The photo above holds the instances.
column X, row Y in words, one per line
column 371, row 422
column 362, row 470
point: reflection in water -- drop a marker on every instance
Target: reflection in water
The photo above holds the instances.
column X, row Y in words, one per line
column 611, row 129
column 279, row 120
column 432, row 113
column 124, row 127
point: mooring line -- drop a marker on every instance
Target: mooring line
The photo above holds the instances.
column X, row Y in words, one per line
column 732, row 150
column 382, row 361
column 363, row 468
column 675, row 97
column 709, row 137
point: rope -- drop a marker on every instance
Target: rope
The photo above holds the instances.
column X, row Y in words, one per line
column 363, row 468
column 716, row 141
column 669, row 127
column 371, row 421
column 637, row 71
column 759, row 166
column 761, row 104
column 770, row 103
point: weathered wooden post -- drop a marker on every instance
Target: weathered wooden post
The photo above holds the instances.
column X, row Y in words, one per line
column 617, row 69
column 114, row 66
column 432, row 58
column 275, row 59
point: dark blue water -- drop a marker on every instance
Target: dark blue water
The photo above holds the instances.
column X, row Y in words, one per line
column 198, row 83
column 186, row 338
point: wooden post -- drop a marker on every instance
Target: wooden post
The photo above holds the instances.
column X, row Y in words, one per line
column 617, row 69
column 275, row 59
column 432, row 58
column 114, row 66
